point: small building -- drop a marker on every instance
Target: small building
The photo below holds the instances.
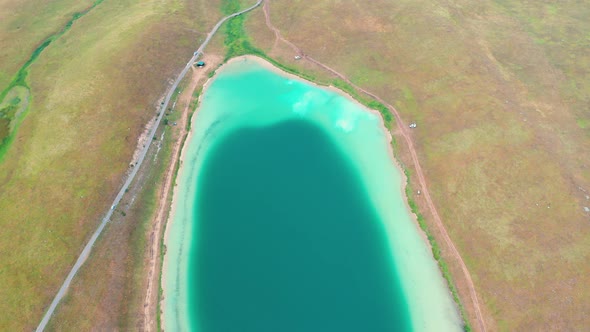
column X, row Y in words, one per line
column 298, row 57
column 200, row 64
column 413, row 125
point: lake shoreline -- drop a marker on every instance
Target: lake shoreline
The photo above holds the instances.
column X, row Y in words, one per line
column 187, row 142
column 174, row 199
column 389, row 136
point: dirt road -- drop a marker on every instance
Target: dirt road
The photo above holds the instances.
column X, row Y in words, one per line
column 88, row 248
column 403, row 131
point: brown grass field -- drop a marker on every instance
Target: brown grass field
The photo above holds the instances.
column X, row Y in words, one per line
column 500, row 91
column 501, row 98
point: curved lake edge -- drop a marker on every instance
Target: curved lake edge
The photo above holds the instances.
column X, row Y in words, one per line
column 189, row 137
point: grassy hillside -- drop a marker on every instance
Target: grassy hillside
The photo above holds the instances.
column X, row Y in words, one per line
column 499, row 91
column 20, row 31
column 92, row 91
column 24, row 25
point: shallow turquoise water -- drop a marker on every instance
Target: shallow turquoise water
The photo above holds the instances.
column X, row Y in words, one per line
column 290, row 217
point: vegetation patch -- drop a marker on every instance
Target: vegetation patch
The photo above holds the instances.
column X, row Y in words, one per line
column 94, row 90
column 19, row 80
column 15, row 103
column 236, row 41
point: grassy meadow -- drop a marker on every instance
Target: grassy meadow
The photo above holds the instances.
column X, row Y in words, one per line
column 92, row 91
column 24, row 25
column 21, row 25
column 500, row 94
column 499, row 89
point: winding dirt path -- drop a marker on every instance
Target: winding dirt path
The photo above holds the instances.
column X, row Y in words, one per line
column 403, row 131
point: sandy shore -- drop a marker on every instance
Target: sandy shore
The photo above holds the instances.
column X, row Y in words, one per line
column 165, row 211
column 187, row 142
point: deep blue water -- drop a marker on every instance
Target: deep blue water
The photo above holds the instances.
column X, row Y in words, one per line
column 287, row 238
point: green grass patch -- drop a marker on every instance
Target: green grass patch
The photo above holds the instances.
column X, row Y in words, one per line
column 236, row 40
column 20, row 79
column 21, row 75
column 410, row 101
column 583, row 123
column 229, row 7
column 4, row 127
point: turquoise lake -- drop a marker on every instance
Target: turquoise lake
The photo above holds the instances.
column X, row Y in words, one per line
column 289, row 216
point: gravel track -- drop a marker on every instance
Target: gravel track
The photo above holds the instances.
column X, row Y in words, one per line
column 88, row 248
